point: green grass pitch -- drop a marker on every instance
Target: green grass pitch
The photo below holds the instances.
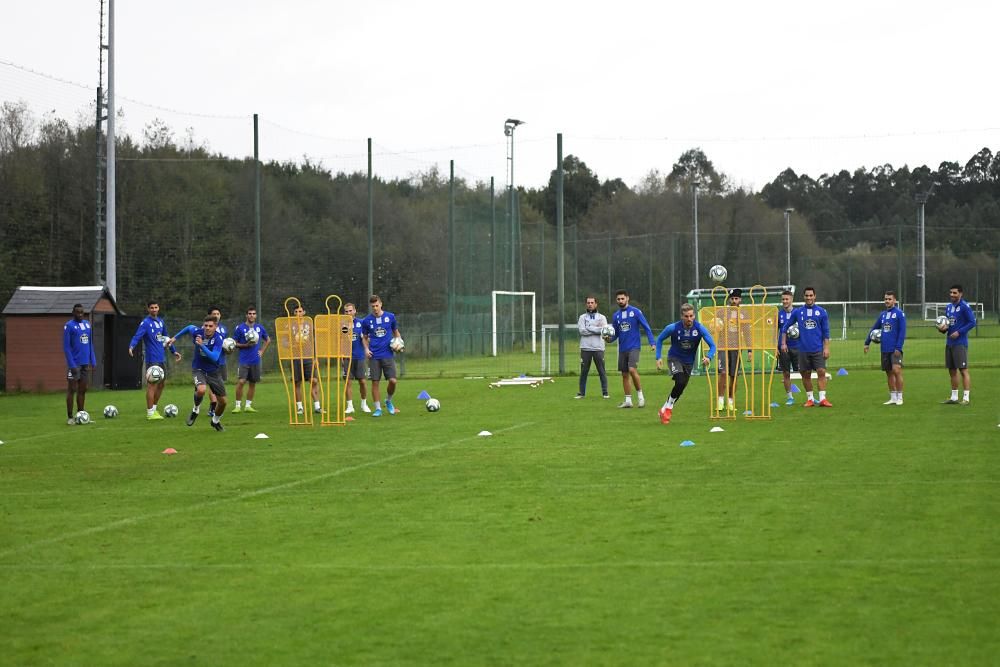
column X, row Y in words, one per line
column 577, row 534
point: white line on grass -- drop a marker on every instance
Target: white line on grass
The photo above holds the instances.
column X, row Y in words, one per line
column 529, row 566
column 124, row 523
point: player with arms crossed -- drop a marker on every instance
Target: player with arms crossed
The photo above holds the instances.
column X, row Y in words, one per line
column 891, row 322
column 302, row 366
column 251, row 350
column 787, row 361
column 78, row 346
column 379, row 328
column 358, row 362
column 737, row 327
column 685, row 335
column 961, row 320
column 591, row 324
column 206, row 369
column 627, row 323
column 814, row 345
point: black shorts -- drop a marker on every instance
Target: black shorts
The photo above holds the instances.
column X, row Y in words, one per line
column 358, row 370
column 890, row 359
column 249, row 372
column 628, row 359
column 302, row 368
column 80, row 373
column 811, row 361
column 380, row 367
column 730, row 362
column 788, row 361
column 677, row 367
column 212, row 380
column 956, row 357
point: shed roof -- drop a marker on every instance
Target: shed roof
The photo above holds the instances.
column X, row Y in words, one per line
column 30, row 300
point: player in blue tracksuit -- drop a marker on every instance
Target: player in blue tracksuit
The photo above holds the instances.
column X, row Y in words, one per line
column 961, row 320
column 685, row 335
column 206, row 364
column 787, row 361
column 152, row 333
column 249, row 357
column 78, row 347
column 814, row 345
column 891, row 323
column 224, row 361
column 627, row 323
column 378, row 330
column 356, row 368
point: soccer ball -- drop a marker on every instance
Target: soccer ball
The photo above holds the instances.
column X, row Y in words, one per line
column 876, row 335
column 154, row 375
column 793, row 332
column 170, row 411
column 228, row 345
column 110, row 411
column 252, row 336
column 396, row 344
column 718, row 273
column 432, row 405
column 942, row 323
column 82, row 417
column 607, row 332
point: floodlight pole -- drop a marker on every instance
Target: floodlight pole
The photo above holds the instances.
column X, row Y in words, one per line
column 111, row 262
column 697, row 271
column 509, row 126
column 788, row 246
column 921, row 199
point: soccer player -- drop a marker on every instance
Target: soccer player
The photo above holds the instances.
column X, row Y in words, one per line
column 961, row 320
column 729, row 364
column 590, row 325
column 78, row 346
column 814, row 345
column 152, row 332
column 250, row 355
column 378, row 329
column 224, row 361
column 685, row 335
column 302, row 365
column 787, row 361
column 206, row 364
column 357, row 363
column 892, row 323
column 627, row 322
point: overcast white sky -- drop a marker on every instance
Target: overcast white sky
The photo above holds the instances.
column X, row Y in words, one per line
column 817, row 87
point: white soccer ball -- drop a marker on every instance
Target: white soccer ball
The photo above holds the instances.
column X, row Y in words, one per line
column 396, row 344
column 876, row 335
column 154, row 375
column 432, row 405
column 942, row 323
column 170, row 411
column 718, row 273
column 252, row 336
column 82, row 417
column 793, row 332
column 228, row 345
column 110, row 411
column 607, row 332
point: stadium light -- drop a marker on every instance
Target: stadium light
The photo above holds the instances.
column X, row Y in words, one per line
column 788, row 245
column 697, row 271
column 921, row 199
column 509, row 126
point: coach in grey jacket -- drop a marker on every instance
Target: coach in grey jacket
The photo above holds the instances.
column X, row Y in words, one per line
column 592, row 346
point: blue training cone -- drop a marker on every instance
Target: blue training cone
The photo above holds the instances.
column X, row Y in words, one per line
column 687, row 443
column 423, row 396
column 775, row 405
column 842, row 371
column 795, row 389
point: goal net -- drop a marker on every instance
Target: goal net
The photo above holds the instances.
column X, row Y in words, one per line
column 513, row 321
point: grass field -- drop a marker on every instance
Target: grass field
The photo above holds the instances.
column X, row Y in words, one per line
column 577, row 534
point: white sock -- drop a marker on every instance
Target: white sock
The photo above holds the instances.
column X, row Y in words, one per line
column 350, row 405
column 151, row 410
column 248, row 403
column 298, row 405
column 154, row 407
column 965, row 395
column 628, row 399
column 822, row 395
column 790, row 395
column 196, row 409
column 238, row 403
column 721, row 403
column 899, row 396
column 954, row 394
column 364, row 402
column 215, row 419
column 316, row 405
column 810, row 396
column 641, row 397
column 378, row 405
column 670, row 403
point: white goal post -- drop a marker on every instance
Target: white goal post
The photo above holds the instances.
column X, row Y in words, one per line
column 550, row 332
column 493, row 315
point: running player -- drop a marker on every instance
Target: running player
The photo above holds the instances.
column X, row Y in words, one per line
column 205, row 364
column 685, row 335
